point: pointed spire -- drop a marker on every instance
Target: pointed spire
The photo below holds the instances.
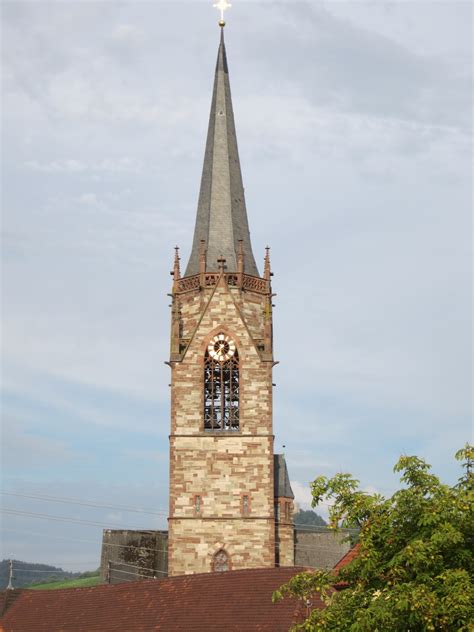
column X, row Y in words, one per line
column 221, row 215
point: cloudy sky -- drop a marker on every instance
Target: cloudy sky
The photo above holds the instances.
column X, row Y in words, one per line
column 354, row 131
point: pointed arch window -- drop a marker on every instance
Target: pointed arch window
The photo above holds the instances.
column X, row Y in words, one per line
column 221, row 384
column 221, row 561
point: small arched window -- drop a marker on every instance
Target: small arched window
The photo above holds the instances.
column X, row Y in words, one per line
column 221, row 384
column 221, row 561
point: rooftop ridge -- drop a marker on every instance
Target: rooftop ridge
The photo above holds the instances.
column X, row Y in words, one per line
column 191, row 577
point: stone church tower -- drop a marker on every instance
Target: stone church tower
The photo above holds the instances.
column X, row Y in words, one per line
column 231, row 502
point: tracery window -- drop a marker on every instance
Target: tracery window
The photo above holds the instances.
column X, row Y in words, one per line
column 221, row 561
column 221, row 384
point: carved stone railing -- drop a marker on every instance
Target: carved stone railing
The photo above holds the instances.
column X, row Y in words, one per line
column 256, row 284
column 251, row 283
column 188, row 283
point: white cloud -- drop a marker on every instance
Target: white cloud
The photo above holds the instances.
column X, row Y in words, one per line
column 120, row 165
column 303, row 498
column 128, row 33
column 302, row 494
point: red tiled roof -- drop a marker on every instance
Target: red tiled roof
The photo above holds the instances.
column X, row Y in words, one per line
column 225, row 602
column 348, row 557
column 7, row 597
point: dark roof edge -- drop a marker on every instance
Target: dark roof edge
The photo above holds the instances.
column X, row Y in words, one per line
column 282, row 485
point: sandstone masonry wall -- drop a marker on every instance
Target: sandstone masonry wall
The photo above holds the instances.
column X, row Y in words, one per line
column 221, row 466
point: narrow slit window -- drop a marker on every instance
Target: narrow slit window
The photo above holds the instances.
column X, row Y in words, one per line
column 197, row 504
column 245, row 505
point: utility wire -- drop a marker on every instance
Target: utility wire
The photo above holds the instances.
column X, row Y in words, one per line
column 315, row 529
column 165, row 551
column 122, row 546
column 116, row 570
column 88, row 523
column 143, row 548
column 142, row 568
column 86, row 503
column 56, row 570
column 121, row 527
column 28, row 570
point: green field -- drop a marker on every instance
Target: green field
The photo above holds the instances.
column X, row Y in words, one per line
column 83, row 582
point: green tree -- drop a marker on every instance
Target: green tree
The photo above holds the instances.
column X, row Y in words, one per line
column 307, row 517
column 415, row 563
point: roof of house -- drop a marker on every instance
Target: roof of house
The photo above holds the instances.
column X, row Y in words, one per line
column 282, row 485
column 7, row 597
column 231, row 601
column 221, row 220
column 348, row 557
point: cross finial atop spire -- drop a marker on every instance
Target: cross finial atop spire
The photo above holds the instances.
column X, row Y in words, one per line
column 222, row 5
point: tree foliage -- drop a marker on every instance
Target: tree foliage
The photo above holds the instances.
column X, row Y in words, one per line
column 308, row 517
column 414, row 568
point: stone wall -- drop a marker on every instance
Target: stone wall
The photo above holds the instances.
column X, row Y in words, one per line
column 319, row 548
column 251, row 305
column 221, row 466
column 284, row 532
column 248, row 543
column 130, row 555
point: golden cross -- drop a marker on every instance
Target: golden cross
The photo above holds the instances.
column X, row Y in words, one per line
column 222, row 5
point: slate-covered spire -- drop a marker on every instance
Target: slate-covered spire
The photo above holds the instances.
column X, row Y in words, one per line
column 221, row 215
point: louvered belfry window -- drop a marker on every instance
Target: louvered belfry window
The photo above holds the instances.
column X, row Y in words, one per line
column 221, row 392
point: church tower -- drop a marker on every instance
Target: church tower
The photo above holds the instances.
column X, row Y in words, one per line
column 222, row 479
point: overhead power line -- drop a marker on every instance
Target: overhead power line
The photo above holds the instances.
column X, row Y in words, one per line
column 57, row 569
column 117, row 570
column 89, row 503
column 88, row 523
column 86, row 503
column 32, row 570
column 7, row 510
column 152, row 570
column 140, row 548
column 96, row 542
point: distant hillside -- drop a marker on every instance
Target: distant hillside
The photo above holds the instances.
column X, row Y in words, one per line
column 26, row 573
column 308, row 517
column 80, row 582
